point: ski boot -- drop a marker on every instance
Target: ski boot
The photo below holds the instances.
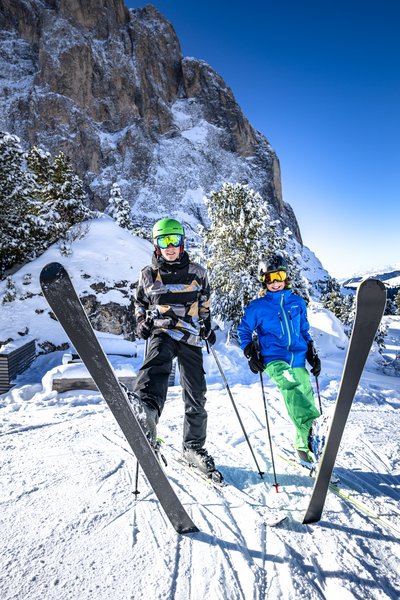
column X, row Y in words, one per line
column 199, row 458
column 306, row 460
column 146, row 414
column 318, row 434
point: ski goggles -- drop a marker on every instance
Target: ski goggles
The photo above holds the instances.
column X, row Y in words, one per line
column 171, row 239
column 274, row 276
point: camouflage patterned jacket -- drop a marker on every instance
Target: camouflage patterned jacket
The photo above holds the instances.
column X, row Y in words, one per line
column 178, row 295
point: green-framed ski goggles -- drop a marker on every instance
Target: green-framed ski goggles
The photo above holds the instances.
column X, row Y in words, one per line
column 170, row 239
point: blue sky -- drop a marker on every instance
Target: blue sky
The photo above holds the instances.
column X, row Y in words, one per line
column 321, row 80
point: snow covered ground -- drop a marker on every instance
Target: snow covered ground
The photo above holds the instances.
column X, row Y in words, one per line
column 72, row 528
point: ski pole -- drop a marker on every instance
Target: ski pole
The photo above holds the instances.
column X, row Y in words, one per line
column 319, row 394
column 261, row 473
column 275, row 484
column 136, row 492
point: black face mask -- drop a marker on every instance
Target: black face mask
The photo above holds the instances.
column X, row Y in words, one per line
column 159, row 262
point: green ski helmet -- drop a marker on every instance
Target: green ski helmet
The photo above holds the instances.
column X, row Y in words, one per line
column 168, row 227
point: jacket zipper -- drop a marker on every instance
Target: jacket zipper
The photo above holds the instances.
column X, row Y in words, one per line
column 288, row 332
column 291, row 321
column 280, row 320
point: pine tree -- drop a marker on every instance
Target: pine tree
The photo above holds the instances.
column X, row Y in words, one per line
column 20, row 223
column 119, row 208
column 10, row 292
column 142, row 232
column 241, row 233
column 331, row 297
column 380, row 337
column 63, row 200
column 391, row 307
column 40, row 164
column 71, row 198
column 233, row 247
column 342, row 306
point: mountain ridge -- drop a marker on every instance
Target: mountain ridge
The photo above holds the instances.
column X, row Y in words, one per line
column 109, row 87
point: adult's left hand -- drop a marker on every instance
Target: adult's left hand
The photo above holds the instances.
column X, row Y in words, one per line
column 208, row 334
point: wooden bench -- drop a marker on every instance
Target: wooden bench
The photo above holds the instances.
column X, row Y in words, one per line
column 72, row 379
column 65, row 383
column 15, row 357
column 84, row 383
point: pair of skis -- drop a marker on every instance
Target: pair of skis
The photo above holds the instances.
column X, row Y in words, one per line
column 63, row 300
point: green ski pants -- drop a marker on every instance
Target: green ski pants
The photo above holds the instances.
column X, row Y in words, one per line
column 295, row 387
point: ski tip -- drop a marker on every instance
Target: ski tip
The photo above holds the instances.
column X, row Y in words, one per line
column 188, row 529
column 370, row 282
column 51, row 272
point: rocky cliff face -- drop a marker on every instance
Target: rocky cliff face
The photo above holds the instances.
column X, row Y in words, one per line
column 110, row 88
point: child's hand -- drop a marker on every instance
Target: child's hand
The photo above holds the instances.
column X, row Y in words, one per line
column 251, row 352
column 313, row 359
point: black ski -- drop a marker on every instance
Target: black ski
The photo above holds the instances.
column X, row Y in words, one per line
column 370, row 304
column 63, row 300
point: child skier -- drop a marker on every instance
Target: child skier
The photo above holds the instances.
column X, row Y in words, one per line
column 279, row 318
column 172, row 310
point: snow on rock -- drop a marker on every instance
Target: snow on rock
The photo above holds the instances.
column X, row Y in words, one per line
column 323, row 322
column 312, row 267
column 105, row 254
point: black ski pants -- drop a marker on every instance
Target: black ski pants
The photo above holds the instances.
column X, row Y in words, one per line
column 152, row 383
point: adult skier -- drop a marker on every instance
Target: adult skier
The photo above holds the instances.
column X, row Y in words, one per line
column 282, row 345
column 172, row 310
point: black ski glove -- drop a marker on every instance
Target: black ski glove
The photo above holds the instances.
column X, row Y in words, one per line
column 252, row 354
column 206, row 333
column 313, row 359
column 144, row 327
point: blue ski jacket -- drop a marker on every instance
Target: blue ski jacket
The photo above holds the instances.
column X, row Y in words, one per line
column 280, row 321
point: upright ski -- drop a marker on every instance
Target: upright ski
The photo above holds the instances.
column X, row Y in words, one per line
column 370, row 304
column 63, row 299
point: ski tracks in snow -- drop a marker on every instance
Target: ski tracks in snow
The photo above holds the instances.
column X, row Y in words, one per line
column 75, row 529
